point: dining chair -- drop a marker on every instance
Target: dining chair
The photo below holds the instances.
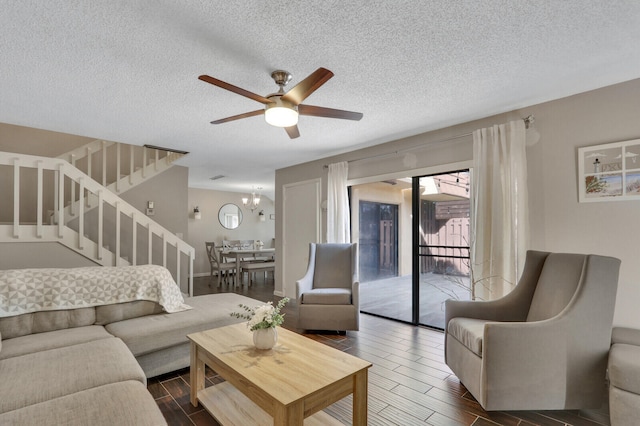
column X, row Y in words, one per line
column 229, row 245
column 217, row 265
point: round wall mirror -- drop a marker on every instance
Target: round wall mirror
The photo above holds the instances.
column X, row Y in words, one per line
column 230, row 216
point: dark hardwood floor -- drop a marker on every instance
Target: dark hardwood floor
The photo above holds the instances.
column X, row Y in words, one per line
column 409, row 383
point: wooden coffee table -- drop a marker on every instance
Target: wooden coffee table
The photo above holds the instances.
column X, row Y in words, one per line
column 281, row 386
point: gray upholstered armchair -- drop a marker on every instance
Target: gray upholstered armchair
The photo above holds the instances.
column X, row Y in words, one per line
column 543, row 346
column 328, row 294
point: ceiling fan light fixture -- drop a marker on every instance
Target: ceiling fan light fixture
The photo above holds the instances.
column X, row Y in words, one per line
column 281, row 113
column 281, row 117
column 281, row 109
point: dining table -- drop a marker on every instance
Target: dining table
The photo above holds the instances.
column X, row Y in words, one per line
column 240, row 254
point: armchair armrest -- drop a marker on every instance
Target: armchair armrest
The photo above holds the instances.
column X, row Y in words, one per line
column 512, row 307
column 306, row 283
column 355, row 294
column 508, row 364
column 629, row 336
column 495, row 310
column 302, row 285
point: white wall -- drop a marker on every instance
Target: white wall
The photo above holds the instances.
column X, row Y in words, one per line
column 558, row 222
column 208, row 228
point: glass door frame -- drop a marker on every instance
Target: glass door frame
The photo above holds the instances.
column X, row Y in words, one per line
column 416, row 246
column 415, row 175
column 415, row 250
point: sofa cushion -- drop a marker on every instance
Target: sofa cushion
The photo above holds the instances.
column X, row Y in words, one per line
column 154, row 332
column 42, row 376
column 123, row 403
column 469, row 332
column 106, row 314
column 52, row 339
column 624, row 367
column 40, row 322
column 327, row 296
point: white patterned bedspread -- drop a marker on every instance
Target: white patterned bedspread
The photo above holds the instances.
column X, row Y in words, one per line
column 47, row 289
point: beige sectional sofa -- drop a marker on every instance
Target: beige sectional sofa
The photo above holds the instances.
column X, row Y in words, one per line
column 90, row 365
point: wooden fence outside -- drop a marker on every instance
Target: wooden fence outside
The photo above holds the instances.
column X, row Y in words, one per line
column 444, row 242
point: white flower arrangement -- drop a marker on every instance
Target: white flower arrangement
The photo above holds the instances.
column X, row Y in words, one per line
column 261, row 317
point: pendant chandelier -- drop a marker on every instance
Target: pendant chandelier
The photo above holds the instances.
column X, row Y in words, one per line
column 252, row 201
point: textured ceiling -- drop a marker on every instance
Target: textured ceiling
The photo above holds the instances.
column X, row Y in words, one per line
column 127, row 70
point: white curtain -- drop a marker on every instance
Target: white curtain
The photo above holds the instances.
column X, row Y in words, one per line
column 499, row 212
column 338, row 219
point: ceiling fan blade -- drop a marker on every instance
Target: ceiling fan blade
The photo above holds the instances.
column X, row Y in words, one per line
column 317, row 111
column 239, row 116
column 292, row 131
column 307, row 86
column 235, row 89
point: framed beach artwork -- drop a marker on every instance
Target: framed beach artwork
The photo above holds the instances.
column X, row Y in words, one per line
column 609, row 172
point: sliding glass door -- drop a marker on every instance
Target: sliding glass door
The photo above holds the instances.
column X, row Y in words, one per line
column 443, row 236
column 381, row 220
column 413, row 236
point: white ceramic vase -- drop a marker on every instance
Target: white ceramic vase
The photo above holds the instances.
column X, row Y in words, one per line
column 265, row 338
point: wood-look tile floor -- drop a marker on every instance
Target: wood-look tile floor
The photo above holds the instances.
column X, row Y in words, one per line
column 409, row 383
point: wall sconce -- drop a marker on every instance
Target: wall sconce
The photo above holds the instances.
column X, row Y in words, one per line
column 261, row 216
column 196, row 213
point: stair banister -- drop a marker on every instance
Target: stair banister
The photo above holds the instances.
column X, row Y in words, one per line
column 131, row 161
column 63, row 169
column 118, row 168
column 60, row 187
column 100, row 224
column 39, row 205
column 104, row 163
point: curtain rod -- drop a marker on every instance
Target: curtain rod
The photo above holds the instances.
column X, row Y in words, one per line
column 528, row 122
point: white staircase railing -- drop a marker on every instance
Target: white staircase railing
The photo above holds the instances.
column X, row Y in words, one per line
column 113, row 223
column 118, row 167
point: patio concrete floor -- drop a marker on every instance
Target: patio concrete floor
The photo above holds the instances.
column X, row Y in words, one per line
column 391, row 297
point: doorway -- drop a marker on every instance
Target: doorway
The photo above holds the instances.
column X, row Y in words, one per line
column 301, row 211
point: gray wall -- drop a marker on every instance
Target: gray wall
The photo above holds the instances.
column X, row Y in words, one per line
column 168, row 191
column 558, row 222
column 41, row 255
column 26, row 140
column 209, row 229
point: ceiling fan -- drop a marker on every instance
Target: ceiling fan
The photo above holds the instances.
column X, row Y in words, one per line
column 282, row 109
